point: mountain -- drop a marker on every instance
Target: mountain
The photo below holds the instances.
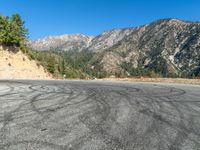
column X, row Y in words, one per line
column 109, row 38
column 79, row 41
column 63, row 42
column 166, row 47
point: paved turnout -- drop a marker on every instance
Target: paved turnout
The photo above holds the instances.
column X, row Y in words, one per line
column 94, row 115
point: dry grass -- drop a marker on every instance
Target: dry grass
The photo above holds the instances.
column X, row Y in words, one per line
column 162, row 80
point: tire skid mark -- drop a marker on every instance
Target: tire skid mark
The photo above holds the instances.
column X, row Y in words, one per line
column 96, row 107
column 182, row 131
column 96, row 128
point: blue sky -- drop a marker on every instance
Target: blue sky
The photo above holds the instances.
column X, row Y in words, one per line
column 91, row 17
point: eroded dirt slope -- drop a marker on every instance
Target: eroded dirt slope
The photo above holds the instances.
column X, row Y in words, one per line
column 19, row 66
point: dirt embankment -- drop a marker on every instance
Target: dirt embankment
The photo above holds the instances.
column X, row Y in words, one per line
column 16, row 65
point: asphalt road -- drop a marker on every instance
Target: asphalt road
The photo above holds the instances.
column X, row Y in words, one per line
column 94, row 115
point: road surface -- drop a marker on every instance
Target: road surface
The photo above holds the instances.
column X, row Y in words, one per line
column 94, row 115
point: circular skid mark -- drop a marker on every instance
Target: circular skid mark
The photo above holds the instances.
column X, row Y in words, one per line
column 52, row 102
column 4, row 90
column 154, row 91
column 40, row 88
column 160, row 91
column 66, row 115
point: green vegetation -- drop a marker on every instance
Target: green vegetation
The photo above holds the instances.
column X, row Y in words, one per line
column 128, row 67
column 14, row 34
column 88, row 63
column 156, row 69
column 159, row 66
column 85, row 63
column 12, row 31
column 82, row 61
column 56, row 64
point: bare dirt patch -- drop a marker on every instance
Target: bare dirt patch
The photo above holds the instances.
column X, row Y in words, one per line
column 19, row 66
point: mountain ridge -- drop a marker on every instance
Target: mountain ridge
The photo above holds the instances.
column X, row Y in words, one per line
column 166, row 46
column 50, row 42
column 77, row 37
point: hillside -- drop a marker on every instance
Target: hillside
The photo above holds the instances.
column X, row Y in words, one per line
column 63, row 42
column 167, row 47
column 16, row 65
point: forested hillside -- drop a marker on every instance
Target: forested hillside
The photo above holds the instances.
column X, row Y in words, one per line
column 165, row 48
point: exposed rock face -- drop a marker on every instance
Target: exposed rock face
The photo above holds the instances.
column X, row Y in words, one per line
column 109, row 38
column 167, row 46
column 63, row 42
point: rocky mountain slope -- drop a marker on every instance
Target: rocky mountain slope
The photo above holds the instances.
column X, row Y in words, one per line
column 63, row 42
column 108, row 38
column 167, row 46
column 18, row 66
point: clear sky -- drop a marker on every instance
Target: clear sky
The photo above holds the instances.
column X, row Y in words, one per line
column 91, row 17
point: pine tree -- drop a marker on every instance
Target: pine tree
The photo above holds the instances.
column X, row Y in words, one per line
column 5, row 31
column 12, row 31
column 19, row 32
column 63, row 67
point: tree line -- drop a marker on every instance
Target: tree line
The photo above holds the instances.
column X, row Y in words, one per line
column 13, row 31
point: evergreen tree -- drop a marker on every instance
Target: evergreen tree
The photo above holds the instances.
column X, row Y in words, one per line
column 12, row 31
column 5, row 30
column 63, row 67
column 19, row 32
